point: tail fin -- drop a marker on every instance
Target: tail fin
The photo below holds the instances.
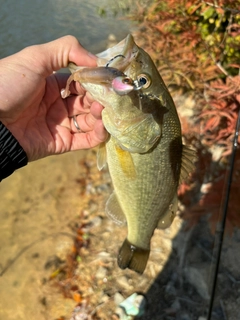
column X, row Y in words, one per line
column 132, row 257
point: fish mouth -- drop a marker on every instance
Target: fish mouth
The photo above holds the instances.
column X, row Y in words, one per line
column 113, row 69
column 119, row 56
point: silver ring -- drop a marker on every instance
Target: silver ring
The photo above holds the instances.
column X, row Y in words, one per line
column 76, row 124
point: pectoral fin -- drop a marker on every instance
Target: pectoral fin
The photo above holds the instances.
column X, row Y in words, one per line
column 126, row 162
column 169, row 215
column 114, row 210
column 188, row 158
column 101, row 156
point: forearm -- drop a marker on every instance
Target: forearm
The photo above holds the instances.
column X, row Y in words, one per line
column 12, row 155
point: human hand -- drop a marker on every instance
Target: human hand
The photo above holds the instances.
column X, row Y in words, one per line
column 31, row 106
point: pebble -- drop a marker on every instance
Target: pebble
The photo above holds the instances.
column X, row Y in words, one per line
column 101, row 273
column 103, row 254
column 118, row 298
column 167, row 243
column 63, row 247
column 105, row 298
column 90, row 189
column 196, row 278
column 185, row 316
column 123, row 282
column 80, row 313
column 154, row 269
column 134, row 305
column 102, row 188
column 96, row 222
column 176, row 306
column 170, row 290
column 106, row 258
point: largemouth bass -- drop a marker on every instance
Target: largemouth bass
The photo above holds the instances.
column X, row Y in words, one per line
column 144, row 153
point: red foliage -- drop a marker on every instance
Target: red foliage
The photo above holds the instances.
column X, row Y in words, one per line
column 219, row 114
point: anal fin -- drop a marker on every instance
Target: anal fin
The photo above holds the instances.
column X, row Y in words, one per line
column 114, row 210
column 132, row 257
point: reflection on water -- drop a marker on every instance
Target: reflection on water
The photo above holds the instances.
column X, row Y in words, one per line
column 28, row 22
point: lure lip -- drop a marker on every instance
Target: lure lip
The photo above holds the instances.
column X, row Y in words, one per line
column 122, row 85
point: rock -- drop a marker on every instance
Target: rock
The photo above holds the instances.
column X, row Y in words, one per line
column 101, row 273
column 184, row 316
column 176, row 306
column 196, row 277
column 123, row 282
column 96, row 222
column 170, row 291
column 81, row 312
column 63, row 247
column 167, row 243
column 120, row 313
column 132, row 306
column 105, row 298
column 118, row 298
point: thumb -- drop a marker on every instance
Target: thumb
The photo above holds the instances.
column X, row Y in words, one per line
column 54, row 55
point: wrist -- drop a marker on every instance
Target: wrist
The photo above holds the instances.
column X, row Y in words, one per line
column 12, row 155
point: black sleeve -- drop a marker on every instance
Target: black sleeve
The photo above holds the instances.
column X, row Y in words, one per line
column 12, row 155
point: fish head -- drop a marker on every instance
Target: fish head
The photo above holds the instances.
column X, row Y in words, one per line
column 139, row 116
column 128, row 85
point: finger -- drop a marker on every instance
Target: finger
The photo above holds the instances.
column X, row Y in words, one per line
column 81, row 104
column 96, row 110
column 82, row 123
column 76, row 105
column 90, row 139
column 66, row 49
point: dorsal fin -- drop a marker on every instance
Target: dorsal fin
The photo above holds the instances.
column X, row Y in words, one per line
column 189, row 156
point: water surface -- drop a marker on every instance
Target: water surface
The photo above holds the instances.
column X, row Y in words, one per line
column 28, row 22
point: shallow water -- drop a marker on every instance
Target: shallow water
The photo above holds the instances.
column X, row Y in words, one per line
column 27, row 22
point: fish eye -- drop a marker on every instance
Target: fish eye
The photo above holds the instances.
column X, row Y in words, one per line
column 144, row 81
